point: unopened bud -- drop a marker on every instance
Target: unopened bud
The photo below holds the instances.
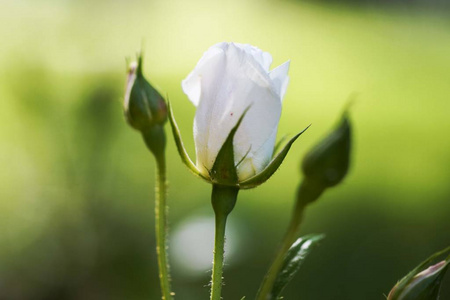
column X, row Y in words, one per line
column 328, row 162
column 144, row 107
column 424, row 285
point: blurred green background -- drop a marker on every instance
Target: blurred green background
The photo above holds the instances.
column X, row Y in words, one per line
column 76, row 183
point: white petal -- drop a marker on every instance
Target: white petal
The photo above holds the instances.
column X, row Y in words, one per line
column 210, row 76
column 280, row 78
column 262, row 58
column 243, row 83
column 192, row 84
column 256, row 161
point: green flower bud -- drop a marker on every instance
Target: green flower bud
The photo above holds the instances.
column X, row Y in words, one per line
column 327, row 163
column 423, row 286
column 422, row 283
column 144, row 107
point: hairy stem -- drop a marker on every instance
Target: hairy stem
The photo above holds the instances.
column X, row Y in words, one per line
column 223, row 200
column 161, row 228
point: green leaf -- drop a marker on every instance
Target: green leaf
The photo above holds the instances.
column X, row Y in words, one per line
column 224, row 171
column 422, row 283
column 293, row 261
column 271, row 167
column 180, row 146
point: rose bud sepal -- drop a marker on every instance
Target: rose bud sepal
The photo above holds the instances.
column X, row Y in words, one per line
column 273, row 166
column 180, row 145
column 216, row 176
column 224, row 170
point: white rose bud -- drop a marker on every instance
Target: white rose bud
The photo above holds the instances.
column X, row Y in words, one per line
column 227, row 80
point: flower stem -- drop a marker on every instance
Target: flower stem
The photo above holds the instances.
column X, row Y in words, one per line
column 307, row 193
column 265, row 290
column 223, row 199
column 161, row 227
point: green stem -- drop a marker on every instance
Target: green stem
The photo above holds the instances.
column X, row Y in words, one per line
column 289, row 237
column 307, row 193
column 161, row 228
column 223, row 199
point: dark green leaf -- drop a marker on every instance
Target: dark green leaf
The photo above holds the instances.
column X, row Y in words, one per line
column 293, row 260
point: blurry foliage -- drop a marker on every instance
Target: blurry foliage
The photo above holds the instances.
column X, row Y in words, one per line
column 90, row 248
